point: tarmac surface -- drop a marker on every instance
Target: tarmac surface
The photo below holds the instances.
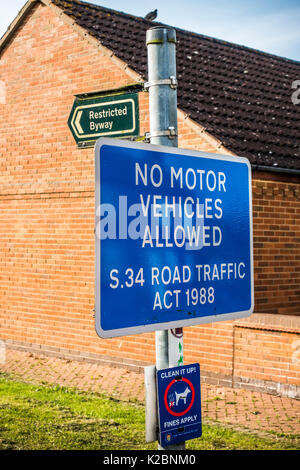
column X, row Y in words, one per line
column 259, row 413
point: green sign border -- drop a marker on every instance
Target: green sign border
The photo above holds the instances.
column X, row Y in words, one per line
column 104, row 97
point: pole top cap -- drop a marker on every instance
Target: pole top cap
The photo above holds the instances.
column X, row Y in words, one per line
column 160, row 35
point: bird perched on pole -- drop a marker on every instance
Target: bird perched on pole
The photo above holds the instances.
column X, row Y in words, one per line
column 151, row 15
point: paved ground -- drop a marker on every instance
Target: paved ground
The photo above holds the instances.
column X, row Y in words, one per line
column 241, row 409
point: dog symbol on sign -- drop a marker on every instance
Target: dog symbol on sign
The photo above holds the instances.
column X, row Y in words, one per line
column 182, row 396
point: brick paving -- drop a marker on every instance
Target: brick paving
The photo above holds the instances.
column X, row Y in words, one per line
column 237, row 408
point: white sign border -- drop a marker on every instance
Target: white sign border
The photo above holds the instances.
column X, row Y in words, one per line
column 178, row 323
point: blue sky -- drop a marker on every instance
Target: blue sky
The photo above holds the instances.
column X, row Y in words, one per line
column 269, row 25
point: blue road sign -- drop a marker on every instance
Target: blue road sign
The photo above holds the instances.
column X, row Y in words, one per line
column 179, row 404
column 173, row 238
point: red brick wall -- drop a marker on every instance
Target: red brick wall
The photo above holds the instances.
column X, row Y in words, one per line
column 278, row 363
column 276, row 232
column 47, row 189
column 47, row 221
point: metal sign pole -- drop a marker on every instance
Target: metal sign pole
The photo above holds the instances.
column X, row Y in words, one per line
column 162, row 86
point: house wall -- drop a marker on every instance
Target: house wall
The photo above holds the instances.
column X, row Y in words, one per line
column 47, row 224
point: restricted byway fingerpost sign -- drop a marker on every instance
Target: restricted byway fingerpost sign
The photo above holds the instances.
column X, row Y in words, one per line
column 112, row 116
column 179, row 404
column 173, row 238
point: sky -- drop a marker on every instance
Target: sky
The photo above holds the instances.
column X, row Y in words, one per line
column 268, row 25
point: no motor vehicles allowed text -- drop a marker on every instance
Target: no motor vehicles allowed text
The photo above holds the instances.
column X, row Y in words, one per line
column 173, row 238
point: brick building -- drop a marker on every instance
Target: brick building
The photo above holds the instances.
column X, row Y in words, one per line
column 231, row 100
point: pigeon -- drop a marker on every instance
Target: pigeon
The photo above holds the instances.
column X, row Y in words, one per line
column 151, row 15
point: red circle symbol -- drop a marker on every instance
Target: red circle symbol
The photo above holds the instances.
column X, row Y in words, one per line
column 166, row 395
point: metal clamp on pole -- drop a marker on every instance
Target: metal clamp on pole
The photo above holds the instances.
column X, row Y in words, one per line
column 171, row 82
column 170, row 132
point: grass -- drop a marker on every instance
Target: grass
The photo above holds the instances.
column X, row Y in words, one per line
column 49, row 417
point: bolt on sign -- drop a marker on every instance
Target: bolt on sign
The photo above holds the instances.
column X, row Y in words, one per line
column 110, row 115
column 173, row 238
